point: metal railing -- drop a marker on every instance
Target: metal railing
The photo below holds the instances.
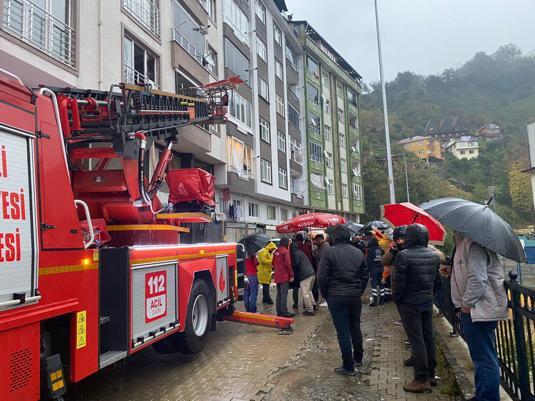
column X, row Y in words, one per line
column 514, row 342
column 39, row 28
column 132, row 76
column 146, row 13
column 187, row 46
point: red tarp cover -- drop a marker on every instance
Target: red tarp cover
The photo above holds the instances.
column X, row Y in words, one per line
column 191, row 184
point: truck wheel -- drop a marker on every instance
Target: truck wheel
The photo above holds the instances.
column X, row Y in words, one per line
column 198, row 319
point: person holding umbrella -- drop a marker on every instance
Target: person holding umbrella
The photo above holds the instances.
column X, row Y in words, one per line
column 477, row 278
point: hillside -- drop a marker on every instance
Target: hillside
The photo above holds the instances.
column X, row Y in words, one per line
column 498, row 87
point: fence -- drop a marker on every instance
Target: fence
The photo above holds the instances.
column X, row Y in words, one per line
column 514, row 341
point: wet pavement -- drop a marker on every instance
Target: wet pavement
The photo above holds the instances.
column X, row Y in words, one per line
column 244, row 362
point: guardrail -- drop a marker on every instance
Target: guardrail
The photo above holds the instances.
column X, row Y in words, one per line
column 514, row 337
column 146, row 13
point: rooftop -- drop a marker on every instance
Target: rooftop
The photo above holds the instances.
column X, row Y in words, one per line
column 414, row 139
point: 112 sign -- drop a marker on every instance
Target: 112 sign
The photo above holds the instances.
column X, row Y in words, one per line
column 155, row 295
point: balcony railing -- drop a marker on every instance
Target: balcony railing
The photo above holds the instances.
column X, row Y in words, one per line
column 187, row 46
column 146, row 13
column 132, row 76
column 37, row 27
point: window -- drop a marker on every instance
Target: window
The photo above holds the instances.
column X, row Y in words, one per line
column 277, row 34
column 353, row 123
column 330, row 186
column 313, row 67
column 236, row 61
column 357, row 192
column 240, row 108
column 295, row 151
column 290, row 55
column 313, row 94
column 278, row 69
column 271, row 212
column 281, row 141
column 265, row 171
column 341, row 116
column 209, row 6
column 283, row 178
column 327, row 109
column 260, row 11
column 314, row 124
column 327, row 132
column 210, row 60
column 343, row 165
column 239, row 158
column 325, row 81
column 261, row 49
column 253, row 210
column 471, row 152
column 317, row 180
column 352, row 97
column 329, row 159
column 144, row 11
column 187, row 33
column 263, row 89
column 356, row 169
column 284, row 214
column 237, row 20
column 462, row 152
column 316, row 152
column 265, row 135
column 293, row 115
column 344, row 190
column 342, row 139
column 139, row 64
column 280, row 105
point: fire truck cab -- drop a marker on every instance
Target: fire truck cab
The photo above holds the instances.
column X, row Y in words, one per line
column 91, row 267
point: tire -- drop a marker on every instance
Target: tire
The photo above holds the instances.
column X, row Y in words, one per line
column 198, row 320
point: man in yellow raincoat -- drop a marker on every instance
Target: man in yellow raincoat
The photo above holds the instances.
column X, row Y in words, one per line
column 265, row 267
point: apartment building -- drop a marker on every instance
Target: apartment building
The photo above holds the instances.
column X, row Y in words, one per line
column 263, row 130
column 333, row 175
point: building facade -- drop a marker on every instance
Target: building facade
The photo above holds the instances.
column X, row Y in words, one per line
column 464, row 148
column 260, row 156
column 330, row 114
column 424, row 147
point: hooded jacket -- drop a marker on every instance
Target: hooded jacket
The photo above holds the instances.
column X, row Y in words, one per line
column 301, row 265
column 373, row 256
column 415, row 269
column 342, row 270
column 265, row 263
column 282, row 263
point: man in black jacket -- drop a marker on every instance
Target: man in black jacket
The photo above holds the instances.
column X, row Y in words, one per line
column 304, row 275
column 343, row 276
column 413, row 277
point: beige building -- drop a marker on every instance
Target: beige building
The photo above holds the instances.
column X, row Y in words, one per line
column 464, row 148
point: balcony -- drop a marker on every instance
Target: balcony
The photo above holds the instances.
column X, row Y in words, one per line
column 40, row 29
column 146, row 13
column 132, row 76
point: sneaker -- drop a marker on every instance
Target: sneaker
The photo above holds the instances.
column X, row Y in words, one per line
column 344, row 372
column 417, row 387
column 433, row 382
column 398, row 323
column 288, row 314
column 286, row 332
column 315, row 307
column 308, row 313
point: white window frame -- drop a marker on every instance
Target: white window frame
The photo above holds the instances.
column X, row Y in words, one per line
column 330, row 186
column 328, row 133
column 345, row 193
column 240, row 108
column 265, row 171
column 263, row 89
column 343, row 165
column 329, row 159
column 261, row 48
column 283, row 178
column 264, row 129
column 296, row 153
column 342, row 139
column 316, row 152
column 260, row 11
column 237, row 19
column 280, row 106
column 281, row 141
column 253, row 210
column 357, row 192
column 278, row 69
column 277, row 34
column 274, row 210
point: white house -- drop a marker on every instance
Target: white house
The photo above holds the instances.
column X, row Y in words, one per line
column 465, row 147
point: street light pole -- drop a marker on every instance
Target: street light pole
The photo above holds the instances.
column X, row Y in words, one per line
column 385, row 112
column 406, row 177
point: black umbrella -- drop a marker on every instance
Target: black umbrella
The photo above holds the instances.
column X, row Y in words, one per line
column 380, row 225
column 479, row 223
column 253, row 243
column 354, row 227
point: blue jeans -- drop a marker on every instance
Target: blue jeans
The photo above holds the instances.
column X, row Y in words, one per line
column 250, row 293
column 345, row 312
column 481, row 340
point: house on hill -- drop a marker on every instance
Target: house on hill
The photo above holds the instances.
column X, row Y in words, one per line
column 489, row 131
column 464, row 147
column 423, row 147
column 446, row 128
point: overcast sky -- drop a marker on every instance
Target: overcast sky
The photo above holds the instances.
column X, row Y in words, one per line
column 423, row 36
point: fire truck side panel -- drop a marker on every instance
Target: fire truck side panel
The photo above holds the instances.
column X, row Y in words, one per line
column 59, row 220
column 19, row 363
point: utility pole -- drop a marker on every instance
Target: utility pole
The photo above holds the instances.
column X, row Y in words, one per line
column 385, row 112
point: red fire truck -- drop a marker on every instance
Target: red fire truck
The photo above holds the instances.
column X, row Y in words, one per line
column 91, row 265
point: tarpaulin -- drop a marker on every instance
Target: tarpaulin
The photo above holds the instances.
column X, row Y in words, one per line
column 191, row 184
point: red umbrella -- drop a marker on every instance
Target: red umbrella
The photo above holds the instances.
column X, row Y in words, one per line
column 401, row 214
column 318, row 220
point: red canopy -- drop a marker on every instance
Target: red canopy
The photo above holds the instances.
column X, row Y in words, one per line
column 401, row 214
column 191, row 184
column 317, row 220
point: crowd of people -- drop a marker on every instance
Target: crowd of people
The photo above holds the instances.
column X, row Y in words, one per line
column 402, row 267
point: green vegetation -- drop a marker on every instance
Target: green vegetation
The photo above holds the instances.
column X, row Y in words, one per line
column 488, row 88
